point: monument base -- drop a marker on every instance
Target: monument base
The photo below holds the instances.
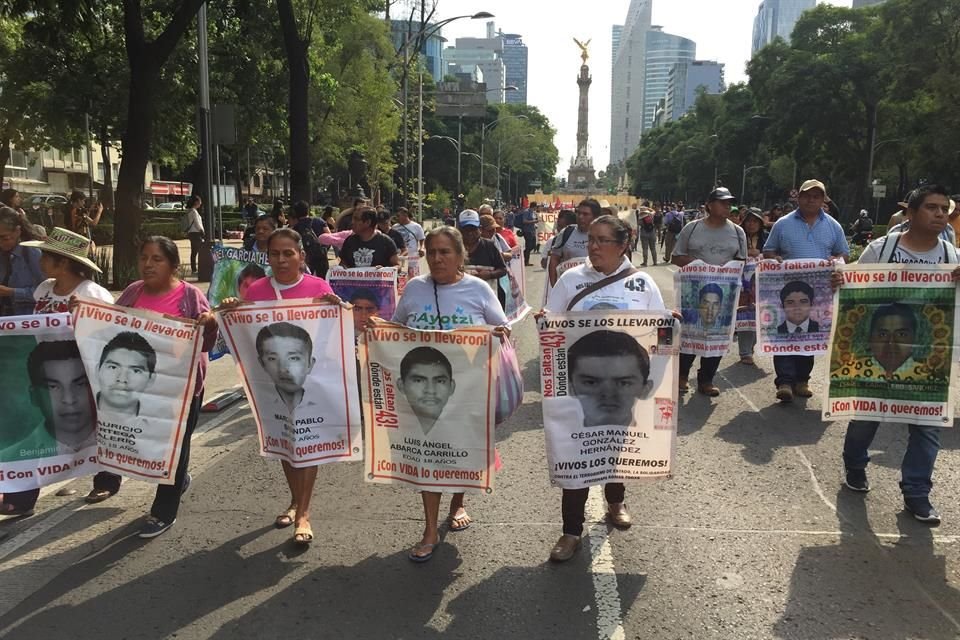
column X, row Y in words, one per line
column 581, row 178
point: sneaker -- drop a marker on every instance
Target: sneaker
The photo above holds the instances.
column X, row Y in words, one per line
column 857, row 480
column 802, row 390
column 154, row 527
column 922, row 510
column 187, row 479
column 785, row 393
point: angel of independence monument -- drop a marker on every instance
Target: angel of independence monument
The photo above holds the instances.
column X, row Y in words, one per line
column 580, row 176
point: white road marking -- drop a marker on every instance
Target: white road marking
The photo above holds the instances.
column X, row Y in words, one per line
column 602, row 570
column 819, row 491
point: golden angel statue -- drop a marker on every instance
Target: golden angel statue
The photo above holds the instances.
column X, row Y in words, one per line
column 583, row 49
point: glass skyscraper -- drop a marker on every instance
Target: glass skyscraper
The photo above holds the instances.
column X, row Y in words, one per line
column 663, row 51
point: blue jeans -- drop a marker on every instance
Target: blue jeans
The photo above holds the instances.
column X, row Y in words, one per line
column 916, row 470
column 792, row 369
column 746, row 340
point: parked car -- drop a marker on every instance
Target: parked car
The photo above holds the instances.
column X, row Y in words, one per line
column 47, row 199
column 170, row 206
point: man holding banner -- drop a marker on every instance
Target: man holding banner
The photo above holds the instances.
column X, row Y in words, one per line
column 807, row 233
column 716, row 241
column 897, row 364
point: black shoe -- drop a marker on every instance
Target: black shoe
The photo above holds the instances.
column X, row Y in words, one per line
column 922, row 510
column 857, row 480
column 644, row 264
column 154, row 527
column 187, row 479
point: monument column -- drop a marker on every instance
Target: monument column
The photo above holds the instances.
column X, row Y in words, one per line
column 580, row 175
column 583, row 120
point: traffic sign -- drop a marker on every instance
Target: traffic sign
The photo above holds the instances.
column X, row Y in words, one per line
column 879, row 191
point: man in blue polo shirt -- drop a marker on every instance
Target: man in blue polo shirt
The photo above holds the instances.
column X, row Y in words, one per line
column 807, row 232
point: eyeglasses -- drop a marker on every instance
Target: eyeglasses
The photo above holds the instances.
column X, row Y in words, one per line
column 601, row 241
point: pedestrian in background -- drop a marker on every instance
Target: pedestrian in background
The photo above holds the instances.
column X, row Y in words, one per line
column 193, row 227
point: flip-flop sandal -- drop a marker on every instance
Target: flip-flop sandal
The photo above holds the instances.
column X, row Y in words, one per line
column 97, row 495
column 452, row 521
column 285, row 519
column 421, row 546
column 303, row 535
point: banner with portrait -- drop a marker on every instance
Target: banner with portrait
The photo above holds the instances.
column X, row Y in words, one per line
column 709, row 295
column 893, row 345
column 372, row 291
column 609, row 384
column 429, row 400
column 142, row 368
column 298, row 365
column 48, row 427
column 747, row 306
column 234, row 270
column 515, row 286
column 794, row 307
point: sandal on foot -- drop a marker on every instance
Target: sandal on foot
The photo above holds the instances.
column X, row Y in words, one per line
column 97, row 495
column 459, row 523
column 422, row 546
column 303, row 535
column 285, row 519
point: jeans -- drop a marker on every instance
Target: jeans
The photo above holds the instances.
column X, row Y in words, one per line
column 167, row 499
column 575, row 501
column 196, row 241
column 22, row 500
column 708, row 367
column 792, row 369
column 648, row 240
column 529, row 244
column 669, row 242
column 916, row 470
column 747, row 340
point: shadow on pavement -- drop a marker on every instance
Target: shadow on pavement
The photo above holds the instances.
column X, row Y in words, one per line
column 760, row 438
column 860, row 588
column 695, row 410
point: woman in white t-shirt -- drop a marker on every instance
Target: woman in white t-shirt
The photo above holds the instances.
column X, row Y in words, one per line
column 63, row 259
column 446, row 299
column 608, row 242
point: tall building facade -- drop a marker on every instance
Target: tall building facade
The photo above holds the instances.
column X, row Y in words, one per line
column 502, row 57
column 663, row 51
column 432, row 49
column 627, row 100
column 776, row 18
column 685, row 80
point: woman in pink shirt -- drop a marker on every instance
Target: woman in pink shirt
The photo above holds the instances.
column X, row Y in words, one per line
column 160, row 290
column 287, row 259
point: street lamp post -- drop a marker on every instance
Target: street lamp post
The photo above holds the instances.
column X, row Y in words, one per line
column 499, row 142
column 873, row 151
column 743, row 185
column 483, row 134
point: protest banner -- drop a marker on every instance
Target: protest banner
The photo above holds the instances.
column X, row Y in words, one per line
column 609, row 384
column 515, row 285
column 708, row 295
column 562, row 268
column 142, row 368
column 296, row 359
column 893, row 345
column 48, row 427
column 546, row 228
column 794, row 306
column 747, row 306
column 234, row 269
column 429, row 405
column 371, row 291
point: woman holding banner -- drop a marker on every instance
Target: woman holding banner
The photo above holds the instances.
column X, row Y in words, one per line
column 608, row 281
column 288, row 282
column 161, row 291
column 446, row 299
column 63, row 259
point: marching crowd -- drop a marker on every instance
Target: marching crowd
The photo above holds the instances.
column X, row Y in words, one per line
column 465, row 263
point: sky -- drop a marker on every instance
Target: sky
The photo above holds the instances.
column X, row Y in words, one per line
column 722, row 30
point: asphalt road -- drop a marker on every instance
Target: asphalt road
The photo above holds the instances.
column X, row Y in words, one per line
column 753, row 538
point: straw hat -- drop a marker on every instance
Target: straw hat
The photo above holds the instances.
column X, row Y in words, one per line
column 67, row 244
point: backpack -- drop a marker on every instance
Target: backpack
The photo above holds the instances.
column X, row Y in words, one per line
column 567, row 232
column 887, row 248
column 676, row 224
column 646, row 223
column 316, row 253
column 658, row 219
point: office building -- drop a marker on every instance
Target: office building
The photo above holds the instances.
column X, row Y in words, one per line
column 686, row 79
column 515, row 60
column 490, row 64
column 776, row 18
column 432, row 49
column 663, row 51
column 626, row 99
column 501, row 57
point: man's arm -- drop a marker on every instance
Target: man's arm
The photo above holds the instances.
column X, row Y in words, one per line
column 552, row 268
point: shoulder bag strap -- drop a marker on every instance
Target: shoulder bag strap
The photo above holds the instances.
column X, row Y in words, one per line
column 596, row 286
